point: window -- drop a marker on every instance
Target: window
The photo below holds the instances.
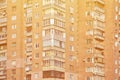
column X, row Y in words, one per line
column 36, row 35
column 116, row 70
column 71, row 28
column 13, row 35
column 72, row 20
column 71, row 10
column 14, row 53
column 71, row 77
column 71, row 48
column 36, row 65
column 71, row 38
column 36, row 75
column 13, row 8
column 13, row 1
column 36, row 45
column 14, row 26
column 37, row 55
column 88, row 41
column 89, row 50
column 14, row 17
column 13, row 44
column 51, row 21
column 13, row 63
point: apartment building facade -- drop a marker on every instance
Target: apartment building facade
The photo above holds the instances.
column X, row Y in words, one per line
column 58, row 40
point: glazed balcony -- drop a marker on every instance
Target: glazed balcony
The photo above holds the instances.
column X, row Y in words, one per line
column 99, row 37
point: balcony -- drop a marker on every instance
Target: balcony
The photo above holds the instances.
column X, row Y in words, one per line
column 3, row 20
column 56, row 16
column 100, row 73
column 2, row 77
column 3, row 36
column 52, row 79
column 28, row 24
column 3, row 58
column 99, row 28
column 99, row 64
column 55, row 5
column 99, row 55
column 100, row 1
column 99, row 9
column 54, row 48
column 3, row 5
column 3, row 51
column 99, row 37
column 99, row 46
column 56, row 37
column 3, row 42
column 28, row 33
column 2, row 73
column 53, row 68
column 53, row 58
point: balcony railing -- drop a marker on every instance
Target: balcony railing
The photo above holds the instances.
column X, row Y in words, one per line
column 99, row 64
column 100, row 1
column 3, row 51
column 3, row 5
column 3, row 36
column 3, row 58
column 54, row 58
column 53, row 68
column 57, row 37
column 99, row 37
column 51, row 15
column 99, row 55
column 99, row 46
column 3, row 20
column 28, row 33
column 99, row 9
